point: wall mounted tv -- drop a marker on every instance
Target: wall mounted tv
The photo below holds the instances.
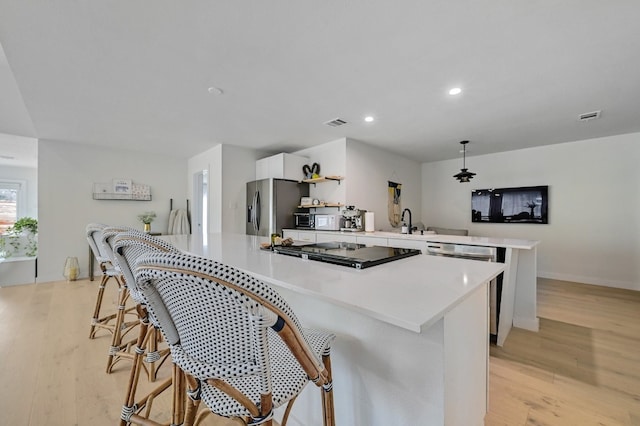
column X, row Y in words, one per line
column 529, row 204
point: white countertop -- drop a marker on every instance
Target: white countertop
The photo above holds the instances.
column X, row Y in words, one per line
column 440, row 238
column 411, row 293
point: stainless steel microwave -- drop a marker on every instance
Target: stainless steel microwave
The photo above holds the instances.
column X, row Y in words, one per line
column 328, row 222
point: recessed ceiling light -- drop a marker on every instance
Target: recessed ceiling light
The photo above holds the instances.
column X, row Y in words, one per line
column 369, row 119
column 455, row 91
column 215, row 90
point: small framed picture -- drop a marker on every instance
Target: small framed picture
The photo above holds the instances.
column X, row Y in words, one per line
column 122, row 186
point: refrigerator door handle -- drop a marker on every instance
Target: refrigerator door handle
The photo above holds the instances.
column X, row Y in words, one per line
column 253, row 211
column 257, row 211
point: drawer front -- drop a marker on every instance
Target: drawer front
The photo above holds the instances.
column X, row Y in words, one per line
column 324, row 238
column 307, row 236
column 412, row 244
column 372, row 241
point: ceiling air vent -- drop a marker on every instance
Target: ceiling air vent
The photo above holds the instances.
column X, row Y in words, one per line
column 335, row 122
column 589, row 116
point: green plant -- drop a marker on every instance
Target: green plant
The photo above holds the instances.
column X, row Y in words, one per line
column 22, row 236
column 147, row 217
column 24, row 224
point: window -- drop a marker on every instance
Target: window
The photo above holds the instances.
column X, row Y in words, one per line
column 11, row 203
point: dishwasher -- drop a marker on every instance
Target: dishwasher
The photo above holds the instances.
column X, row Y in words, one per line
column 484, row 254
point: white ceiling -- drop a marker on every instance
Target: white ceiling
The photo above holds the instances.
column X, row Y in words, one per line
column 135, row 74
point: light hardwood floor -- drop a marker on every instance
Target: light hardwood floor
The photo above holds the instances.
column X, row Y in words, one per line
column 582, row 368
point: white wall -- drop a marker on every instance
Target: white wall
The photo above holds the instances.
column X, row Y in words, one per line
column 369, row 169
column 66, row 173
column 230, row 168
column 593, row 235
column 331, row 157
column 30, row 176
column 366, row 170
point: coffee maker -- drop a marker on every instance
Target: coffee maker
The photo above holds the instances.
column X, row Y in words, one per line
column 353, row 219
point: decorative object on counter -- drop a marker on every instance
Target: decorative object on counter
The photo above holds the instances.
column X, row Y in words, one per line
column 146, row 218
column 71, row 269
column 464, row 175
column 312, row 172
column 394, row 203
column 20, row 239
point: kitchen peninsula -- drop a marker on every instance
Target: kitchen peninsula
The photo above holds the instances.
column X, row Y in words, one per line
column 412, row 335
column 519, row 298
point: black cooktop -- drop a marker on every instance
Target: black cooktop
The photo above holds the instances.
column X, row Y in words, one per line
column 357, row 256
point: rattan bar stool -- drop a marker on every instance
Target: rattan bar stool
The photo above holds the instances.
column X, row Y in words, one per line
column 240, row 345
column 120, row 348
column 127, row 248
column 94, row 237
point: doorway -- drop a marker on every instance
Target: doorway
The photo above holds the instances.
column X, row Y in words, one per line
column 201, row 203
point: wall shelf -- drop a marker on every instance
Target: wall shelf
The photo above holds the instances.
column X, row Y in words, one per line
column 126, row 197
column 314, row 206
column 121, row 189
column 324, row 179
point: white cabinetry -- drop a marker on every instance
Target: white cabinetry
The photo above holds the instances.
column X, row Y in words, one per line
column 371, row 241
column 334, row 236
column 308, row 236
column 410, row 244
column 281, row 166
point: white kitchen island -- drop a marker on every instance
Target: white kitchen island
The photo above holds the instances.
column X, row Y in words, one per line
column 519, row 297
column 412, row 335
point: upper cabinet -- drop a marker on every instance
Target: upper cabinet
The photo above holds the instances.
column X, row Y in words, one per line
column 281, row 166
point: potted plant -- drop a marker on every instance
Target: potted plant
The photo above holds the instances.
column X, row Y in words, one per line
column 146, row 218
column 21, row 237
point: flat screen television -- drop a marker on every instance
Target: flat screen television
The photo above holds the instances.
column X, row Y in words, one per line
column 527, row 204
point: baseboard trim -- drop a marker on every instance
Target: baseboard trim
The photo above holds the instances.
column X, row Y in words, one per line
column 627, row 285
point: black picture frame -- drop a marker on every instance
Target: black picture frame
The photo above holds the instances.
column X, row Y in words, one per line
column 525, row 204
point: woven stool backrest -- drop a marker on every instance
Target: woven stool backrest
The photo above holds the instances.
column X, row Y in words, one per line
column 94, row 237
column 220, row 315
column 126, row 247
column 106, row 241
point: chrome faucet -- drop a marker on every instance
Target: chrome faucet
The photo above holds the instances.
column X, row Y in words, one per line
column 402, row 219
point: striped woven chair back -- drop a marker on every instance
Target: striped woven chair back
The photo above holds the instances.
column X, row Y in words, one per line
column 94, row 237
column 225, row 324
column 126, row 247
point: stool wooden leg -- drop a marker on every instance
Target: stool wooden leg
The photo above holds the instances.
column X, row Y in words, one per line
column 96, row 311
column 179, row 396
column 327, row 395
column 117, row 350
column 193, row 401
column 129, row 402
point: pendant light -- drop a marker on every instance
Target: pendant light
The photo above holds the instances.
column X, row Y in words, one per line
column 464, row 175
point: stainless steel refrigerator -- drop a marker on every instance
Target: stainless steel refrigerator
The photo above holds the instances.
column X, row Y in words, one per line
column 271, row 204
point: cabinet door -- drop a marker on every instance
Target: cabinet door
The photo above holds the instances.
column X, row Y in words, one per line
column 405, row 243
column 263, row 170
column 372, row 241
column 308, row 236
column 287, row 233
column 292, row 166
column 281, row 166
column 325, row 238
